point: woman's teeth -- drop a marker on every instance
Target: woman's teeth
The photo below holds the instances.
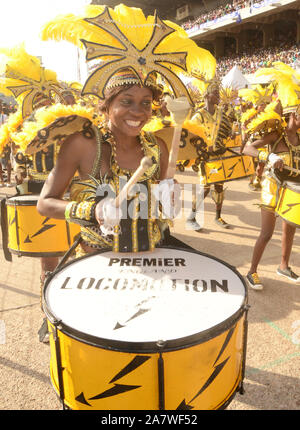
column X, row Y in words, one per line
column 133, row 123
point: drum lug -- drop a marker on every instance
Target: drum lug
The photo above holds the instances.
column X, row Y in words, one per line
column 60, row 368
column 161, row 376
column 241, row 389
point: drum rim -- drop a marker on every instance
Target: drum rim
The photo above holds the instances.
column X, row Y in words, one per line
column 16, row 199
column 291, row 185
column 147, row 347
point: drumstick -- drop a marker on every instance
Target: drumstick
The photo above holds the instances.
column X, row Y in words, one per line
column 174, row 152
column 291, row 169
column 146, row 162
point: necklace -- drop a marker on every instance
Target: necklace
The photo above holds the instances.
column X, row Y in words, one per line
column 147, row 148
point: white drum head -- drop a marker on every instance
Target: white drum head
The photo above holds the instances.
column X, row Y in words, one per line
column 24, row 199
column 166, row 294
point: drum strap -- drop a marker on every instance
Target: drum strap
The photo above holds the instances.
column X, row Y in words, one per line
column 77, row 241
column 4, row 230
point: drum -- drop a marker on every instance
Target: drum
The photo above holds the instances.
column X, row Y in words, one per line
column 31, row 234
column 227, row 169
column 288, row 206
column 160, row 330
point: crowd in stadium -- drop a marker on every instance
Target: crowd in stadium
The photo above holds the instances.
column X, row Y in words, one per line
column 252, row 55
column 229, row 7
column 249, row 61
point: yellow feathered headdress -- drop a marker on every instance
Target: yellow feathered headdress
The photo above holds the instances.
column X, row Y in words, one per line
column 257, row 95
column 22, row 74
column 266, row 121
column 124, row 39
column 287, row 82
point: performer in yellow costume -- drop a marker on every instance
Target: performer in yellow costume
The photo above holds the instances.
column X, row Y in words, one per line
column 127, row 84
column 218, row 125
column 282, row 168
column 258, row 99
column 39, row 94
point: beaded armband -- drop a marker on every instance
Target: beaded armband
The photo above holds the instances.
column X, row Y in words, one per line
column 82, row 213
column 263, row 156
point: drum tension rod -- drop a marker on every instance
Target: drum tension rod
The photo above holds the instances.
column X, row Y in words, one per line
column 241, row 387
column 57, row 326
column 161, row 377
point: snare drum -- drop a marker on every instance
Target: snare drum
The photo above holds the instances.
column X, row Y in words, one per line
column 288, row 206
column 146, row 331
column 31, row 234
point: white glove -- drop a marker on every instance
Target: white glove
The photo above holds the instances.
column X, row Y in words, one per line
column 110, row 214
column 179, row 108
column 273, row 158
column 168, row 193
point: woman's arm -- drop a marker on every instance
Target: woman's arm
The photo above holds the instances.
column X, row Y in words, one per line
column 251, row 148
column 51, row 201
column 164, row 158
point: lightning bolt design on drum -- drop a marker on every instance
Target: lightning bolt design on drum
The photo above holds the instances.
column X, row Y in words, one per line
column 12, row 221
column 139, row 312
column 137, row 361
column 44, row 228
column 248, row 169
column 217, row 369
column 290, row 207
column 231, row 169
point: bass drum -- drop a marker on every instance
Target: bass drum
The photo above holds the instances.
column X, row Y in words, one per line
column 33, row 235
column 288, row 206
column 162, row 330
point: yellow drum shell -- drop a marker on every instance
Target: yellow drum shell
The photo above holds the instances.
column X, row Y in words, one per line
column 31, row 234
column 106, row 352
column 288, row 206
column 94, row 378
column 227, row 169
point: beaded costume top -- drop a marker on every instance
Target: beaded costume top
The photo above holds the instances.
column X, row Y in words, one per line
column 139, row 230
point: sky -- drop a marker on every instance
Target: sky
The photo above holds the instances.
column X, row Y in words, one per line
column 21, row 21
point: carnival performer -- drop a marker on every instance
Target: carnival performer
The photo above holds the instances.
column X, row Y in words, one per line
column 280, row 153
column 218, row 122
column 104, row 155
column 35, row 89
column 255, row 101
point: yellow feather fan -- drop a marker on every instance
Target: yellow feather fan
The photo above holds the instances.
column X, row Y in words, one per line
column 125, row 38
column 46, row 116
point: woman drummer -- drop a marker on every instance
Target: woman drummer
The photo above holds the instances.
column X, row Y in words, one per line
column 283, row 150
column 102, row 158
column 130, row 48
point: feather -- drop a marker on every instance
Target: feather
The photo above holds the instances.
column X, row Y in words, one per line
column 44, row 117
column 287, row 82
column 268, row 121
column 124, row 29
